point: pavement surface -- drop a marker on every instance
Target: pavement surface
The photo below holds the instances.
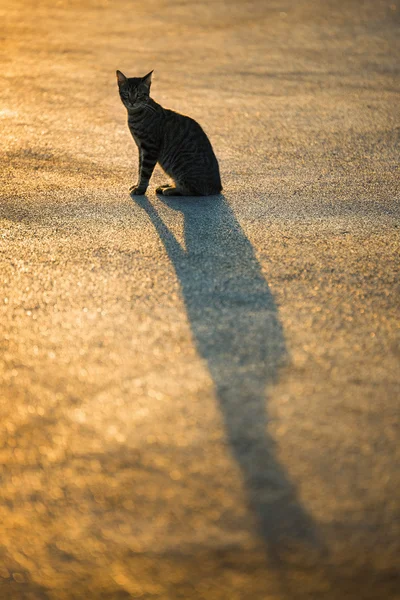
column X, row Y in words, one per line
column 199, row 397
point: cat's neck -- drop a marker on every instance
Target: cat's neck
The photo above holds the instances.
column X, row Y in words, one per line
column 148, row 110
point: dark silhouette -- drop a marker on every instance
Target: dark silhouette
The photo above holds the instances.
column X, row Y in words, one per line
column 236, row 329
column 175, row 141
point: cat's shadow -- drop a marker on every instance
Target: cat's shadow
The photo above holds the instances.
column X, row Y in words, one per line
column 237, row 331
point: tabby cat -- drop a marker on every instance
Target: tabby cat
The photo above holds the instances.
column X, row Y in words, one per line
column 176, row 142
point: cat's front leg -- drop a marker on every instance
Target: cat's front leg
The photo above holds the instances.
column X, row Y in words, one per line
column 147, row 162
column 134, row 189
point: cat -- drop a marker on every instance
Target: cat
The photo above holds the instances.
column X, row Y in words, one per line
column 175, row 141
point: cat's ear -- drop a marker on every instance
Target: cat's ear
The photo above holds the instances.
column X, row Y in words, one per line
column 147, row 79
column 121, row 78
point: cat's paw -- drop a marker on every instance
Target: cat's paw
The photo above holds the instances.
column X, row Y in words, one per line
column 136, row 190
column 171, row 191
column 161, row 188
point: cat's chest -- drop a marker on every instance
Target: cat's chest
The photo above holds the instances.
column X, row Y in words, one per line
column 137, row 135
column 142, row 138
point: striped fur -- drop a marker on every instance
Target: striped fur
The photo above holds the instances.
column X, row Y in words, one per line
column 175, row 141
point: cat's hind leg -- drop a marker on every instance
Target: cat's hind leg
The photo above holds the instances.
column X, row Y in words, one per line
column 179, row 190
column 170, row 191
column 160, row 188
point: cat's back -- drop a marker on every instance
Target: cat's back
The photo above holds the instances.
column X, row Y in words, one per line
column 182, row 123
column 181, row 130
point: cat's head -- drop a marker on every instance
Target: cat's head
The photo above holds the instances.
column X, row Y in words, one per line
column 134, row 91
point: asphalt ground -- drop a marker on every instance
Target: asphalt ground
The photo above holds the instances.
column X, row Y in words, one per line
column 199, row 397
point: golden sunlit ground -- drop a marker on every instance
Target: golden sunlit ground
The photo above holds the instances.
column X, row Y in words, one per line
column 199, row 398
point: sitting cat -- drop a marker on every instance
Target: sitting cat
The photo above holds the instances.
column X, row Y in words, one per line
column 176, row 142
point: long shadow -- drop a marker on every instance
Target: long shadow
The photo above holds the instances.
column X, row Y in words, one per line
column 236, row 328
